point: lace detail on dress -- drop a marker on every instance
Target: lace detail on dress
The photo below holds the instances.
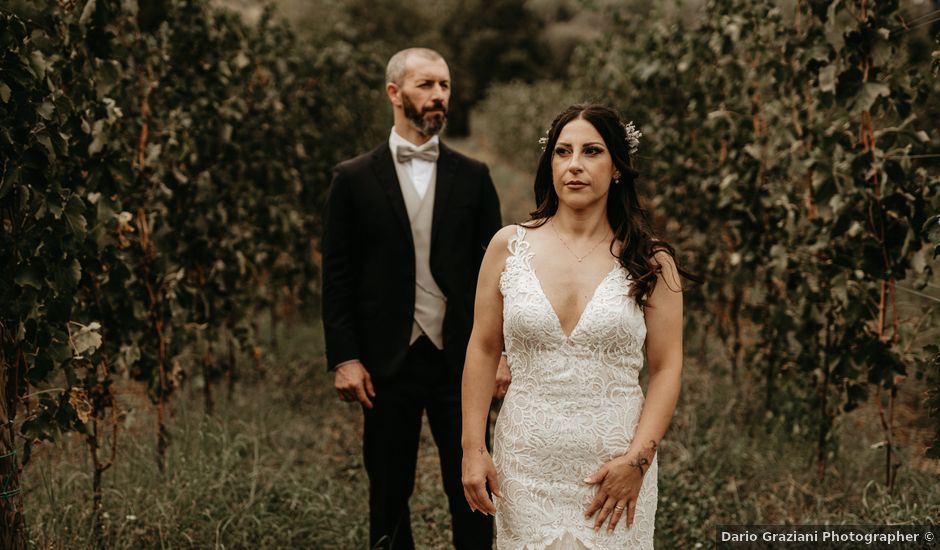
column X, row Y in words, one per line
column 519, row 247
column 574, row 403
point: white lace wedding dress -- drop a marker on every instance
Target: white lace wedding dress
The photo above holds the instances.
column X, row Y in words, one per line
column 574, row 404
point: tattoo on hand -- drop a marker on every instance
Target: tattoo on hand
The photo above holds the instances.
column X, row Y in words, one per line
column 482, row 450
column 645, row 457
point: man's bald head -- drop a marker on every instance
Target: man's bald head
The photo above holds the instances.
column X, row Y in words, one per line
column 397, row 67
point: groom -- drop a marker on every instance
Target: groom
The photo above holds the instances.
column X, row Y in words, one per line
column 406, row 225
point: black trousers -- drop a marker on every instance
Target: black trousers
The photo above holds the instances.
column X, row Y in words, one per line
column 390, row 451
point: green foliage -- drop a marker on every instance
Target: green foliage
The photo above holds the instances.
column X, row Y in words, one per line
column 931, row 366
column 161, row 181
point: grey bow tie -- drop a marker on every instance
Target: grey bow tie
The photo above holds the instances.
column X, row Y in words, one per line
column 428, row 152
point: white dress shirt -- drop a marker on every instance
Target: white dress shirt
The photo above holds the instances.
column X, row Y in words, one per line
column 420, row 170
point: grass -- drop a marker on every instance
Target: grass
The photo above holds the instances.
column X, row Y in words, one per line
column 279, row 466
column 723, row 464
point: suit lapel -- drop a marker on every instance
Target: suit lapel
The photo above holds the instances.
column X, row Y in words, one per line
column 443, row 191
column 384, row 169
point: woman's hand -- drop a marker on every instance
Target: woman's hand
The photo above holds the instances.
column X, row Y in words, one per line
column 619, row 483
column 478, row 470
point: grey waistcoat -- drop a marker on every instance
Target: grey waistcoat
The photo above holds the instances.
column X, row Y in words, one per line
column 430, row 302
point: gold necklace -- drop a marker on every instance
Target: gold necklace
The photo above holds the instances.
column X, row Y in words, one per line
column 579, row 258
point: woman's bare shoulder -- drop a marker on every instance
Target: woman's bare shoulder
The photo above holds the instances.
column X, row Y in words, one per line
column 502, row 237
column 667, row 266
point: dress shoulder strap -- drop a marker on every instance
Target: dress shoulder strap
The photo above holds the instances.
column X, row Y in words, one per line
column 518, row 246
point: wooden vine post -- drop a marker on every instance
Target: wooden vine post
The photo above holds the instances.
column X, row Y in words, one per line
column 12, row 522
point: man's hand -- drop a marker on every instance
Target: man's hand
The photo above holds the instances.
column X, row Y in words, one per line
column 354, row 384
column 503, row 378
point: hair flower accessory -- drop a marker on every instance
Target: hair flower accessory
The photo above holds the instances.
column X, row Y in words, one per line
column 543, row 141
column 633, row 137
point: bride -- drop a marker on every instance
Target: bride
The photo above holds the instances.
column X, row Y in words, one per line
column 572, row 296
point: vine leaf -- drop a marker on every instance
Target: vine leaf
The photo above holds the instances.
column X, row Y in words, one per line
column 28, row 276
column 866, row 97
column 932, row 230
column 87, row 339
column 827, row 78
column 87, row 12
column 78, row 399
column 74, row 210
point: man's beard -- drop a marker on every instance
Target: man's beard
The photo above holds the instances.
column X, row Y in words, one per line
column 426, row 126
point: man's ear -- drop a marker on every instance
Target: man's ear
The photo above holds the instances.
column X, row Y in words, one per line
column 392, row 90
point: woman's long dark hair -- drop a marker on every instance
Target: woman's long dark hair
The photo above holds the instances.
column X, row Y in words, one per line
column 629, row 221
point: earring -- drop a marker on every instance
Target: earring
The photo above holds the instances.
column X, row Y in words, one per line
column 616, row 180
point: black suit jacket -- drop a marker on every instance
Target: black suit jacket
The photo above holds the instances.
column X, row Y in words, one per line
column 369, row 258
